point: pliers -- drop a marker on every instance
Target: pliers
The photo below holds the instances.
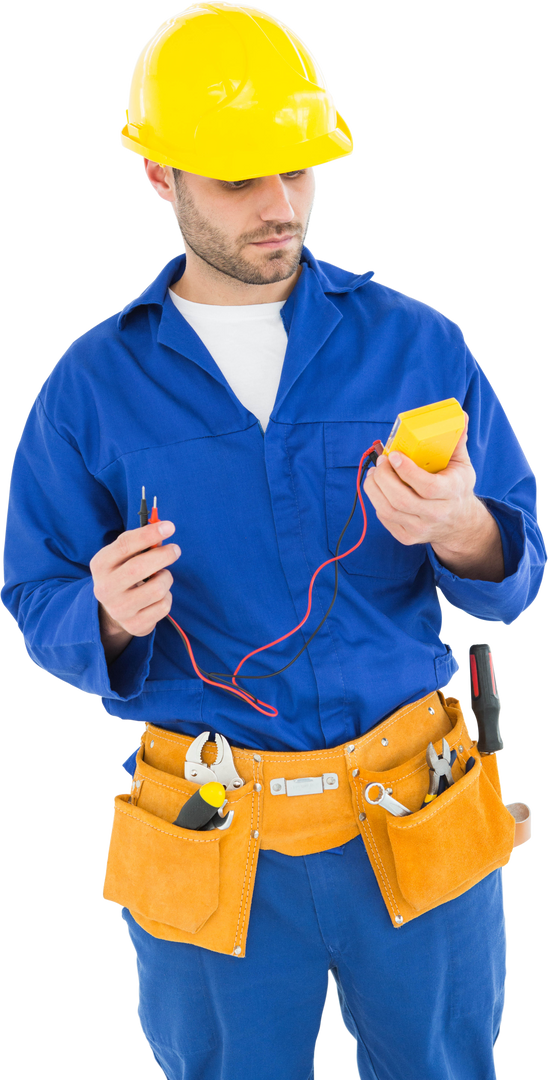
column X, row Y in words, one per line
column 441, row 776
column 222, row 769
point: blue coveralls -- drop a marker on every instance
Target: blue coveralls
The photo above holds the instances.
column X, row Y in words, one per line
column 137, row 401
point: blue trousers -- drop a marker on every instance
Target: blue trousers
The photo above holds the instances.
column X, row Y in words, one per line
column 424, row 1001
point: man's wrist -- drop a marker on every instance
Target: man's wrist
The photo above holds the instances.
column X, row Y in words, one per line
column 113, row 636
column 475, row 552
column 109, row 626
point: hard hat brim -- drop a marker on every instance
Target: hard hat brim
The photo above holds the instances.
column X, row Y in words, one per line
column 325, row 150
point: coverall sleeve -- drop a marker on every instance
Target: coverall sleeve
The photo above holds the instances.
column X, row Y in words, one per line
column 59, row 516
column 506, row 485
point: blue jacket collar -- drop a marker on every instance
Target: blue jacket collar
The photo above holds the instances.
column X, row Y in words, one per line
column 310, row 317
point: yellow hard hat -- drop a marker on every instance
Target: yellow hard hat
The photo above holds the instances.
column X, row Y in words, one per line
column 231, row 93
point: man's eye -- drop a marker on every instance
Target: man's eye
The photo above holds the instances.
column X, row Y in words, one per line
column 234, row 185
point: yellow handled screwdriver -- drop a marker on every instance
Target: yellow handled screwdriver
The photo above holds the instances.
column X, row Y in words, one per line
column 201, row 807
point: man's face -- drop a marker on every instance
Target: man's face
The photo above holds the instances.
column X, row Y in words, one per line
column 251, row 230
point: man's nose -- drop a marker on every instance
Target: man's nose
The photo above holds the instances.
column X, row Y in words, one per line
column 275, row 204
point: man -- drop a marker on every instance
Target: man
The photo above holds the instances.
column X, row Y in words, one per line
column 242, row 388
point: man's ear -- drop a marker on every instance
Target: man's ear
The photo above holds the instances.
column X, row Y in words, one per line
column 162, row 179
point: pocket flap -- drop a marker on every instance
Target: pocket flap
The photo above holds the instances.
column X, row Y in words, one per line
column 459, row 837
column 166, row 873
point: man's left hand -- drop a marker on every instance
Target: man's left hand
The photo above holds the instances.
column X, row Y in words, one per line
column 418, row 507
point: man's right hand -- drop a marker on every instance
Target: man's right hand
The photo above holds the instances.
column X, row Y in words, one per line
column 129, row 606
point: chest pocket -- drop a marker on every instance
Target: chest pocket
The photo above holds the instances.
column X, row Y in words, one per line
column 380, row 555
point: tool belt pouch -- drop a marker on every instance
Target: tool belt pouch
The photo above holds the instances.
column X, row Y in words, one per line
column 438, row 852
column 183, row 884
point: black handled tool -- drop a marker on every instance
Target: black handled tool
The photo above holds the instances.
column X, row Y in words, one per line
column 485, row 699
column 201, row 807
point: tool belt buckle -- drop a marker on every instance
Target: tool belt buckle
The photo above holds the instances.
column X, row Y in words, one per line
column 305, row 785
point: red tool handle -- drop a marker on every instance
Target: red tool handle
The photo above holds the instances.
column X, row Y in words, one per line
column 485, row 699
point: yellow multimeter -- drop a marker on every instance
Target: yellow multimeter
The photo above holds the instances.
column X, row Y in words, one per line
column 428, row 435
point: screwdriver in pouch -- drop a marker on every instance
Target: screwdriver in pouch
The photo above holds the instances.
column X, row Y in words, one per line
column 485, row 699
column 201, row 807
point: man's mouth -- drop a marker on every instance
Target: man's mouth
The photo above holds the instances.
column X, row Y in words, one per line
column 274, row 242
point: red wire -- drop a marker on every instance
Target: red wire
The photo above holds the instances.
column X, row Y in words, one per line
column 239, row 691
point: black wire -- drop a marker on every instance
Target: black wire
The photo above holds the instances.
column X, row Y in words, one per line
column 370, row 460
